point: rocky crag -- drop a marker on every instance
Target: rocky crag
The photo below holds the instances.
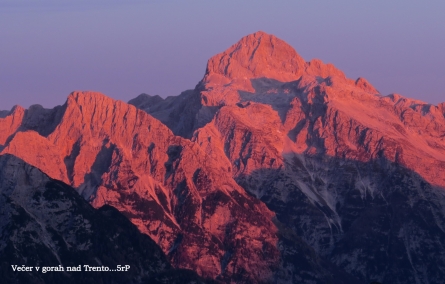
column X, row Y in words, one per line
column 272, row 170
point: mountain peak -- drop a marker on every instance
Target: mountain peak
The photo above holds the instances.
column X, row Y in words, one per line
column 254, row 56
column 262, row 55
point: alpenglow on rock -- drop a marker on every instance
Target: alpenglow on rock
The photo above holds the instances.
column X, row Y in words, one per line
column 272, row 170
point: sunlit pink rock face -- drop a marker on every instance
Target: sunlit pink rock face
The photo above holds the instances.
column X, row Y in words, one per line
column 280, row 123
column 116, row 154
column 311, row 107
column 254, row 56
column 10, row 123
column 193, row 171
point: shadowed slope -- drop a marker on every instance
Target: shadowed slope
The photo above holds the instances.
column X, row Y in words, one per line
column 44, row 222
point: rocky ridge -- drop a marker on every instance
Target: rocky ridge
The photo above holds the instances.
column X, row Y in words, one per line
column 268, row 171
column 321, row 150
column 115, row 154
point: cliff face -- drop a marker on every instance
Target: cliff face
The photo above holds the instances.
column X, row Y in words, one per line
column 271, row 170
column 320, row 110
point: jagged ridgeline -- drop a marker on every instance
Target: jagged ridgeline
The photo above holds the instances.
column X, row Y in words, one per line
column 272, row 170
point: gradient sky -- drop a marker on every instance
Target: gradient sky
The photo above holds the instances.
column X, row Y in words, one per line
column 122, row 48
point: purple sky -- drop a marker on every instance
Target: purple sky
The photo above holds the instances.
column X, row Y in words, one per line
column 122, row 48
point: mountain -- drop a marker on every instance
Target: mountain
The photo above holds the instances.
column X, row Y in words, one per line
column 327, row 154
column 114, row 154
column 45, row 223
column 272, row 170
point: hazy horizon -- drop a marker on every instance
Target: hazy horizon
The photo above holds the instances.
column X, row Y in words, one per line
column 124, row 49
